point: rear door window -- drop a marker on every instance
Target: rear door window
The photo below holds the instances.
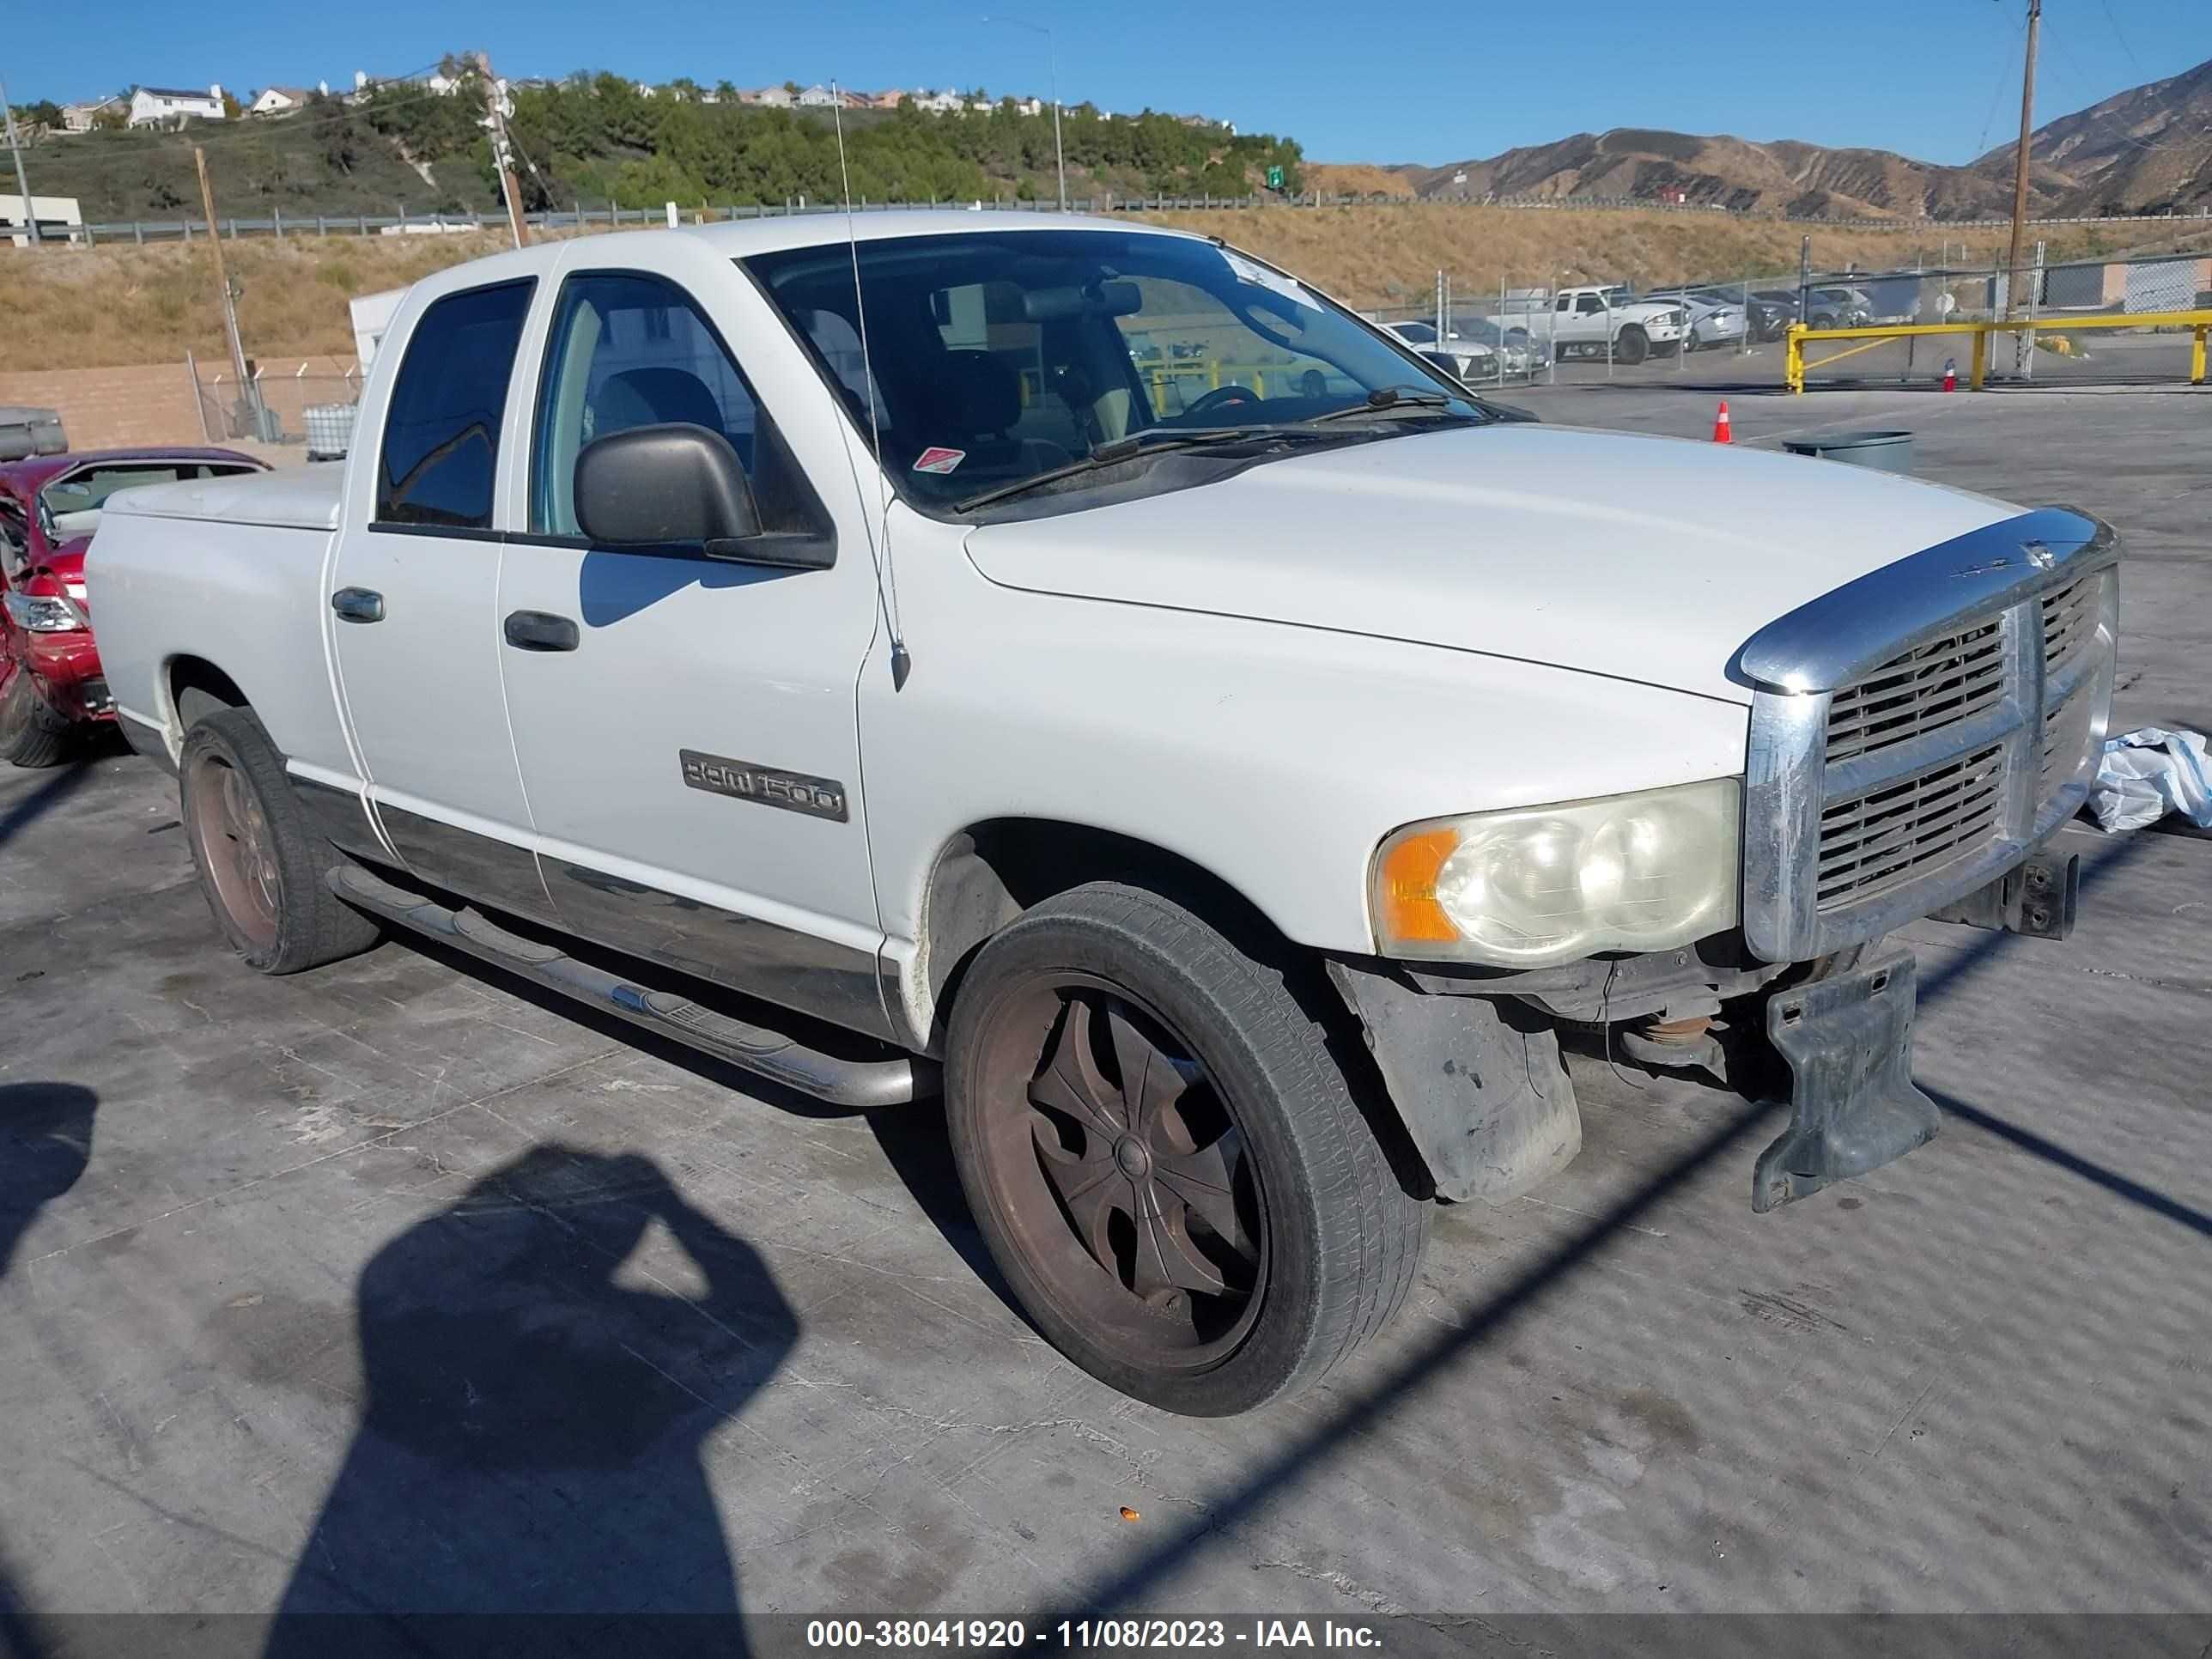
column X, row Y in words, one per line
column 440, row 452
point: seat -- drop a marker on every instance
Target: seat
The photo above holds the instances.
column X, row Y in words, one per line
column 654, row 396
column 973, row 402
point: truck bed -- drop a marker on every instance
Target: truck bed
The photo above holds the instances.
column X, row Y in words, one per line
column 240, row 561
column 290, row 498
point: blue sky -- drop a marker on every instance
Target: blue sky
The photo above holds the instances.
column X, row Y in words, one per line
column 1937, row 79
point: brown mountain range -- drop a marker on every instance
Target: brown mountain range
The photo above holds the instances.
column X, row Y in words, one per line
column 2147, row 150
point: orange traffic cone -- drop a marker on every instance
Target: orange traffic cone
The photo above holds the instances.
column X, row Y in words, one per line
column 1721, row 425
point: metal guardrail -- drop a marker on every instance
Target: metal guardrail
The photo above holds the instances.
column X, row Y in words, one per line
column 404, row 223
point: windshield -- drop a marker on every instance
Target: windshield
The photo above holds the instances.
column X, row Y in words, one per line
column 1001, row 356
column 71, row 503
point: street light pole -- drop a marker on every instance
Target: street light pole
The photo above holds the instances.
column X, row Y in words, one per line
column 30, row 214
column 1051, row 79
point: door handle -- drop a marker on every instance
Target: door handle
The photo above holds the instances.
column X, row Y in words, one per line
column 540, row 630
column 358, row 604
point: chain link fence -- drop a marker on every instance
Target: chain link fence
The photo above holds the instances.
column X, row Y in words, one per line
column 1732, row 329
column 2083, row 314
column 1504, row 333
column 315, row 410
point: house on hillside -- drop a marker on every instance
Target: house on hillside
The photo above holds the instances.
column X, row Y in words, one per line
column 279, row 100
column 153, row 106
column 816, row 96
column 767, row 97
column 886, row 99
column 82, row 118
column 940, row 103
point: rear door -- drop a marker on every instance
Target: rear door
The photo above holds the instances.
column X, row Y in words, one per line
column 413, row 594
column 687, row 727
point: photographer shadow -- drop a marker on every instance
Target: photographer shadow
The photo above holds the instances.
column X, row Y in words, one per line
column 533, row 1438
column 45, row 1142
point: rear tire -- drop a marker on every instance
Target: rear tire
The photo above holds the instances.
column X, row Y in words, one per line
column 262, row 869
column 1164, row 1159
column 32, row 732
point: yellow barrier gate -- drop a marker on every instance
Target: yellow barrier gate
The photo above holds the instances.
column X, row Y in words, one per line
column 1875, row 334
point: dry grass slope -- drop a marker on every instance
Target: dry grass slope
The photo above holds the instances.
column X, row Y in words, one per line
column 103, row 307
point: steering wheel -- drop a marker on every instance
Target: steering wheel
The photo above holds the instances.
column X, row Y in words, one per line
column 1221, row 398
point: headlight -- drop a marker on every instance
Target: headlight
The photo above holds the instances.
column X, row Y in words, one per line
column 1545, row 885
column 44, row 613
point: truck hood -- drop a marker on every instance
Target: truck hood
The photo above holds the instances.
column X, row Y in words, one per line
column 1645, row 559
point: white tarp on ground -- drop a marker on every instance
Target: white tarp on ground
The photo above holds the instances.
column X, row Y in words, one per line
column 2146, row 773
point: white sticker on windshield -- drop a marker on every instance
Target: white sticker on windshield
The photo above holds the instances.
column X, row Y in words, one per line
column 1249, row 270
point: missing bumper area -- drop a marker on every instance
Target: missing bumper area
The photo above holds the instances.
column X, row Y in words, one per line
column 1853, row 1108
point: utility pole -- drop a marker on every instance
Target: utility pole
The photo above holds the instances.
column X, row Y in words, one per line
column 502, row 148
column 2019, row 161
column 221, row 277
column 8, row 117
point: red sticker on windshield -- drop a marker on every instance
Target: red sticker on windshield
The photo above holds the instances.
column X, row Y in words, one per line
column 934, row 460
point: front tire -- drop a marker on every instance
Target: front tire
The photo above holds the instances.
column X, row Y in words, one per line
column 1632, row 346
column 32, row 732
column 262, row 869
column 1164, row 1159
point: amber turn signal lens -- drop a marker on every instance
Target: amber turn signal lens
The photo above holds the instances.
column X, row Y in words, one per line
column 1406, row 888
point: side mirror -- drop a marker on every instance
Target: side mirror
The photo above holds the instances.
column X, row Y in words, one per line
column 663, row 486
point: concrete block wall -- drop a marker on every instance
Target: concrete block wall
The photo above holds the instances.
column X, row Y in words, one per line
column 150, row 404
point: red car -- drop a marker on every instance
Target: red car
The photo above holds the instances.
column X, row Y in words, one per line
column 50, row 686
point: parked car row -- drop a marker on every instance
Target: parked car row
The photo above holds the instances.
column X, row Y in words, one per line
column 1476, row 347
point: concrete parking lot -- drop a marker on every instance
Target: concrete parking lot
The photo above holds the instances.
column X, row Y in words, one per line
column 394, row 1285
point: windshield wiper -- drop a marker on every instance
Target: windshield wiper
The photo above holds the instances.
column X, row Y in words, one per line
column 1385, row 400
column 1154, row 442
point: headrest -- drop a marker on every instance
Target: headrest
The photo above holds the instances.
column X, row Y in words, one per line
column 653, row 397
column 973, row 394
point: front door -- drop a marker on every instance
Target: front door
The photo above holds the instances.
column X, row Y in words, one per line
column 413, row 598
column 687, row 726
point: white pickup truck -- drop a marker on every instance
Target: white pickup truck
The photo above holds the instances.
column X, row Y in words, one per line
column 1229, row 810
column 1586, row 321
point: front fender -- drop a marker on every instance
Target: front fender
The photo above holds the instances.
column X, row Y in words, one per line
column 1275, row 756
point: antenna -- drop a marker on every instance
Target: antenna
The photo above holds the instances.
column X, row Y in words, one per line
column 886, row 572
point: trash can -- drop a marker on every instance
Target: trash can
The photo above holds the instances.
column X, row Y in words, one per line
column 1884, row 451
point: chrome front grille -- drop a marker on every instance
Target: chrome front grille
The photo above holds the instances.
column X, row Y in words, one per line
column 2068, row 750
column 2069, row 621
column 1916, row 732
column 1946, row 682
column 1896, row 834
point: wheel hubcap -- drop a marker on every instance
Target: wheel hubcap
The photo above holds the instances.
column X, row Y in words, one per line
column 1126, row 1174
column 240, row 850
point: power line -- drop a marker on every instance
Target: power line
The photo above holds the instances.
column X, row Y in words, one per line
column 2003, row 80
column 2133, row 62
column 2082, row 79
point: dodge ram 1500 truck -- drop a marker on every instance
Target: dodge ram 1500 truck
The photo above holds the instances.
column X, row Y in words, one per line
column 807, row 641
column 1596, row 321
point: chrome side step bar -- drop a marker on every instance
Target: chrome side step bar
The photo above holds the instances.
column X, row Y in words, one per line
column 755, row 1048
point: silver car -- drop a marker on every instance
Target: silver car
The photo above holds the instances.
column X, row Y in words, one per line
column 1475, row 359
column 1713, row 322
